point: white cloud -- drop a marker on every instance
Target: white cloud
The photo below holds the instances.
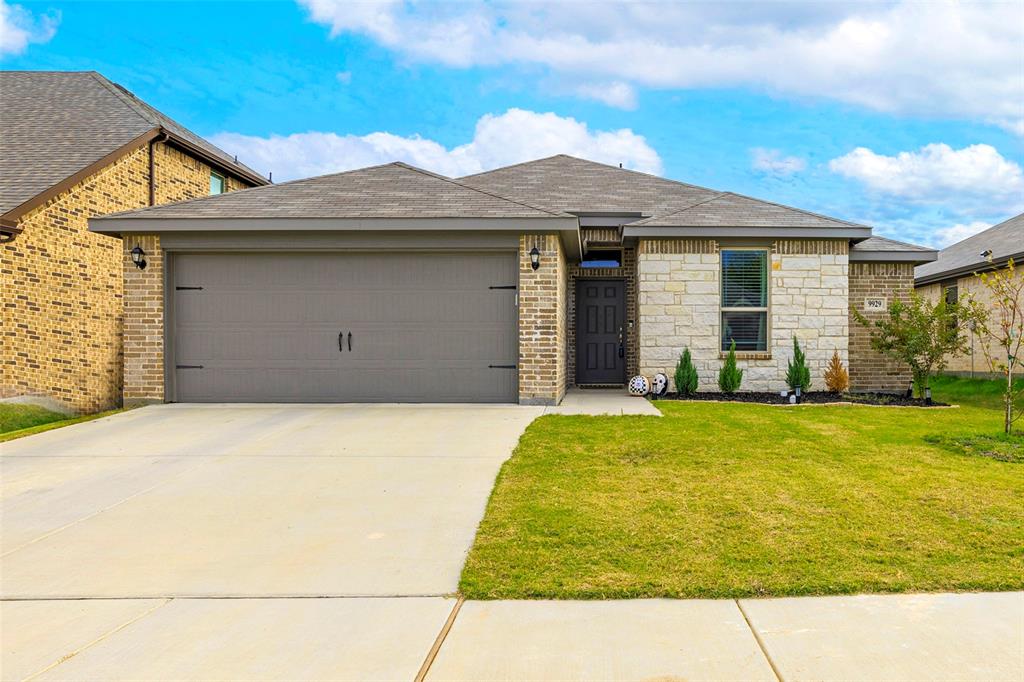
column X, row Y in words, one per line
column 924, row 58
column 772, row 162
column 498, row 140
column 618, row 94
column 344, row 77
column 945, row 236
column 19, row 27
column 939, row 174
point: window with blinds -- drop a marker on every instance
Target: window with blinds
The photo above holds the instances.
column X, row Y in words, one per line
column 745, row 299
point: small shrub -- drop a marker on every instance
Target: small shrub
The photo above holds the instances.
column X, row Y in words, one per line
column 730, row 376
column 837, row 379
column 686, row 374
column 797, row 372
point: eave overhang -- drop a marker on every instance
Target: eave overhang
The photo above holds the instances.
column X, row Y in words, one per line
column 566, row 227
column 917, row 257
column 645, row 232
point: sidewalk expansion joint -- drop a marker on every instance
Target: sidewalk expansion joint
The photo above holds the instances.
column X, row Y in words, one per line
column 760, row 642
column 432, row 654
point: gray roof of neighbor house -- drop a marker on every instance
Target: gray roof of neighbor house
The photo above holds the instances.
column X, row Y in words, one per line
column 1005, row 241
column 566, row 183
column 394, row 190
column 56, row 124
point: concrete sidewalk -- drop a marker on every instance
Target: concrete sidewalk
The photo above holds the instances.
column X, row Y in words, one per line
column 603, row 402
column 887, row 637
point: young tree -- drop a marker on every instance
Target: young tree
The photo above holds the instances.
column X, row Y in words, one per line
column 686, row 374
column 797, row 372
column 730, row 376
column 921, row 334
column 1001, row 328
column 837, row 379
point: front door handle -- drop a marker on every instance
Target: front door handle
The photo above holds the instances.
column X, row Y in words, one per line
column 350, row 342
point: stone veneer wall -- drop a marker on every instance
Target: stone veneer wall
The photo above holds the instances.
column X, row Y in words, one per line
column 542, row 321
column 870, row 371
column 679, row 305
column 62, row 287
column 626, row 272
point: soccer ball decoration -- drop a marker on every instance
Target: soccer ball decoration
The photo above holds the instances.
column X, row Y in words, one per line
column 659, row 385
column 639, row 385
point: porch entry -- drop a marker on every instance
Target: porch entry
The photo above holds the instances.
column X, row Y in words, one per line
column 600, row 331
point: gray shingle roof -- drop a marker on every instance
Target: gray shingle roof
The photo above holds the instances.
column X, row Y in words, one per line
column 735, row 210
column 394, row 190
column 56, row 123
column 566, row 183
column 883, row 245
column 1005, row 240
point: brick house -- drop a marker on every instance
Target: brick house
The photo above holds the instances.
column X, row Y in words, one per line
column 391, row 283
column 74, row 145
column 953, row 276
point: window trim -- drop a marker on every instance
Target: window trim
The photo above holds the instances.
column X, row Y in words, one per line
column 765, row 354
column 223, row 183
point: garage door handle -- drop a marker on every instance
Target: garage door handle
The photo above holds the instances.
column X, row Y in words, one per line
column 341, row 336
column 350, row 342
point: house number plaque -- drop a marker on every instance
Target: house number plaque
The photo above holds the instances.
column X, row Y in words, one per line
column 874, row 305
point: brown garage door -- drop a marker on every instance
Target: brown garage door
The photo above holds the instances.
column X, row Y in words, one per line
column 344, row 327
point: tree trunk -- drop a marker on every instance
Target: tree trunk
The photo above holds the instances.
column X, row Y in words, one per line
column 1008, row 399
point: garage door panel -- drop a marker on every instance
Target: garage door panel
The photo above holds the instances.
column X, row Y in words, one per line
column 424, row 326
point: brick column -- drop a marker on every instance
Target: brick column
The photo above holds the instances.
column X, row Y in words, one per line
column 870, row 371
column 143, row 323
column 542, row 319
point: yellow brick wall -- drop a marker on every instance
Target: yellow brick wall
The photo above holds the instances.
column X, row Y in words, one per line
column 61, row 284
column 542, row 321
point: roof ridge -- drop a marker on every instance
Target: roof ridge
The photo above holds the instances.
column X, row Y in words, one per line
column 596, row 163
column 986, row 230
column 410, row 167
column 798, row 210
column 681, row 210
column 117, row 92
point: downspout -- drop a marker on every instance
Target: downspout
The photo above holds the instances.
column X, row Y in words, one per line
column 162, row 137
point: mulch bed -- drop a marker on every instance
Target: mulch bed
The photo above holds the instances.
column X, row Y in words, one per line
column 813, row 397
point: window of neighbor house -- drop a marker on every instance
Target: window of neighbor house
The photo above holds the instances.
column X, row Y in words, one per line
column 745, row 299
column 952, row 294
column 216, row 183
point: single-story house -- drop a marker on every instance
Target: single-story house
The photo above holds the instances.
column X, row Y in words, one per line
column 74, row 145
column 953, row 275
column 392, row 283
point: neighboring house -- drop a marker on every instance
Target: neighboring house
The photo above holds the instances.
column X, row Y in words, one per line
column 73, row 145
column 391, row 283
column 953, row 276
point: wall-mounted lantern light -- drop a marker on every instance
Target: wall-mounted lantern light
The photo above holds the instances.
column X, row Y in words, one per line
column 139, row 257
column 534, row 258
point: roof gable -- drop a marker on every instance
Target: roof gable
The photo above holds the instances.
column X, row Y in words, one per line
column 57, row 124
column 394, row 190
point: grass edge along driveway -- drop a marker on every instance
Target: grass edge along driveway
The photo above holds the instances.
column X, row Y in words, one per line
column 735, row 500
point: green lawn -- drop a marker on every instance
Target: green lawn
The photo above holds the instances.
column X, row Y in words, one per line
column 17, row 421
column 727, row 500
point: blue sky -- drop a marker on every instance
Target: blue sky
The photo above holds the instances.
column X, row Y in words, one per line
column 909, row 117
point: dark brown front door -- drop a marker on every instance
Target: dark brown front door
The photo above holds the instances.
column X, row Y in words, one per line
column 600, row 332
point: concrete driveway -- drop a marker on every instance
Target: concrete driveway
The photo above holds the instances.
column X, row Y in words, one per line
column 132, row 516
